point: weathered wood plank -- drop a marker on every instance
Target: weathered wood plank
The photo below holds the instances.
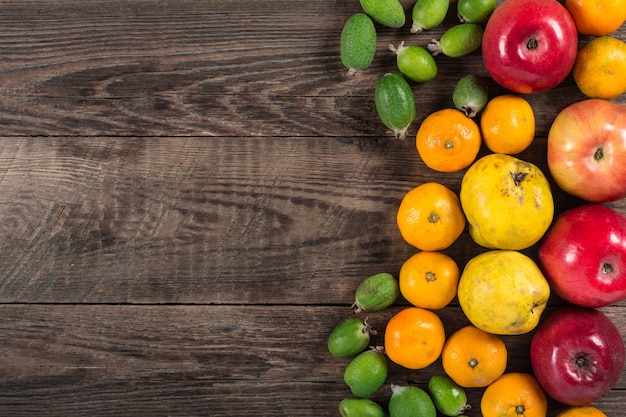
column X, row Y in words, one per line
column 181, row 220
column 196, row 360
column 185, row 221
column 205, row 69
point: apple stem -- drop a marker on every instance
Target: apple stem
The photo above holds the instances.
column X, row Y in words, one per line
column 581, row 361
column 607, row 268
column 599, row 154
column 532, row 44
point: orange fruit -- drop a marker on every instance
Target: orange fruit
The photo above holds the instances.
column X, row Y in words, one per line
column 448, row 140
column 474, row 358
column 429, row 279
column 514, row 395
column 600, row 68
column 507, row 124
column 584, row 411
column 597, row 17
column 430, row 217
column 414, row 338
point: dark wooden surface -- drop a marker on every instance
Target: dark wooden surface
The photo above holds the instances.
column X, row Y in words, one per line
column 190, row 192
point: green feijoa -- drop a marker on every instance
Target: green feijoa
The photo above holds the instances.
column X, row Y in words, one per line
column 415, row 62
column 410, row 401
column 475, row 11
column 349, row 338
column 449, row 398
column 388, row 13
column 358, row 42
column 458, row 41
column 395, row 103
column 470, row 94
column 376, row 293
column 366, row 373
column 427, row 14
column 360, row 407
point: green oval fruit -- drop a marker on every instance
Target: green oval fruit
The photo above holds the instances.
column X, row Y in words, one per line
column 388, row 13
column 428, row 14
column 376, row 293
column 366, row 373
column 395, row 103
column 349, row 338
column 358, row 42
column 474, row 11
column 470, row 95
column 415, row 62
column 449, row 398
column 410, row 401
column 360, row 407
column 458, row 41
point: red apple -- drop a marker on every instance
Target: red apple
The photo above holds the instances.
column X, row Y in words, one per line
column 530, row 45
column 583, row 255
column 577, row 355
column 587, row 150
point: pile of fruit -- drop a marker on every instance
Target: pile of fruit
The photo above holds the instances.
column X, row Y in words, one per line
column 577, row 353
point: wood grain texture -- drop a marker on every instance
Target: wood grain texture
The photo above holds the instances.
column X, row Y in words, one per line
column 145, row 68
column 176, row 221
column 190, row 360
column 190, row 192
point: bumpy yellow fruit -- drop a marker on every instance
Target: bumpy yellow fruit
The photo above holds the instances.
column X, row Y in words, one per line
column 508, row 202
column 503, row 292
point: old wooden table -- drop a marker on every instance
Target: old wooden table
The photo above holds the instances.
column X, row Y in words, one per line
column 190, row 192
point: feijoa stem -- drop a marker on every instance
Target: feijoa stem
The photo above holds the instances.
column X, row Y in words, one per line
column 398, row 49
column 434, row 47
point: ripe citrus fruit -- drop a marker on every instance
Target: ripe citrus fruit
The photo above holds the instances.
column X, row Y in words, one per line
column 597, row 17
column 508, row 124
column 514, row 395
column 474, row 358
column 429, row 279
column 448, row 140
column 430, row 217
column 584, row 411
column 414, row 338
column 600, row 68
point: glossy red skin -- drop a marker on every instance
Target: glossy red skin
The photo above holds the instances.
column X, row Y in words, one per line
column 564, row 334
column 574, row 250
column 576, row 134
column 507, row 32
